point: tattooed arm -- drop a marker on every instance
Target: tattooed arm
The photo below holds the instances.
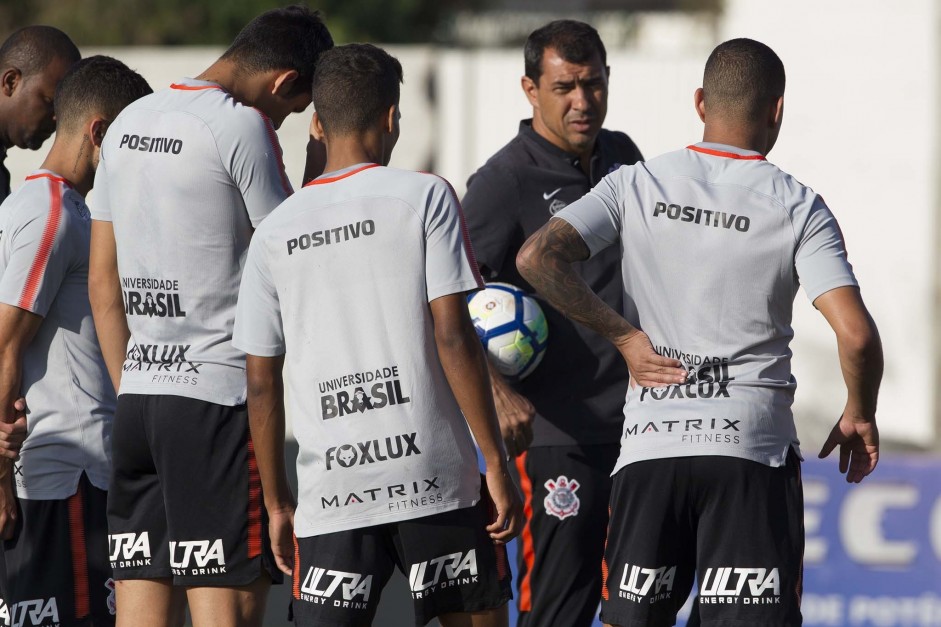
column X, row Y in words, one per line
column 546, row 262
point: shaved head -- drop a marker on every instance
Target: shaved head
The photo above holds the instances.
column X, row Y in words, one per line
column 742, row 78
column 33, row 48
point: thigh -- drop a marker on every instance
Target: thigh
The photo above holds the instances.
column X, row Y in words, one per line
column 451, row 563
column 137, row 517
column 566, row 491
column 57, row 561
column 751, row 542
column 649, row 558
column 217, row 528
column 339, row 577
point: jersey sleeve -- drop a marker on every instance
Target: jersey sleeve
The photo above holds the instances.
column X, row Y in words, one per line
column 820, row 259
column 596, row 215
column 258, row 326
column 450, row 265
column 252, row 155
column 491, row 206
column 39, row 255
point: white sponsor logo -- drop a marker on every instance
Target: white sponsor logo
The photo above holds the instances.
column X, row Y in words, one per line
column 33, row 613
column 727, row 584
column 457, row 569
column 638, row 582
column 192, row 557
column 320, row 586
column 546, row 196
column 129, row 549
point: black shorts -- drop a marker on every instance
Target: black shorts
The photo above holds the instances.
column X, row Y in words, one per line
column 736, row 524
column 185, row 499
column 56, row 564
column 450, row 561
column 566, row 491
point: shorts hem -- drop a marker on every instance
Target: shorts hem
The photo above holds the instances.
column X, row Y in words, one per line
column 142, row 574
column 630, row 622
column 474, row 606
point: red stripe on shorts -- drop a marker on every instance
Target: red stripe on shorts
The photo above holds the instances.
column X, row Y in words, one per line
column 297, row 570
column 254, row 503
column 604, row 559
column 529, row 553
column 79, row 555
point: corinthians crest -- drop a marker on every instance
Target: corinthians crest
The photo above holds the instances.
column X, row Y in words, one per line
column 561, row 501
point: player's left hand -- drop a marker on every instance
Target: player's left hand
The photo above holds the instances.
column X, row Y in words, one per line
column 281, row 531
column 13, row 434
column 506, row 499
column 647, row 368
column 859, row 447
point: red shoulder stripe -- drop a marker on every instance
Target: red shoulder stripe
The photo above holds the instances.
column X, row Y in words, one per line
column 36, row 271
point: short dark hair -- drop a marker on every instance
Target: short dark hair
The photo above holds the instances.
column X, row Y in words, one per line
column 576, row 42
column 354, row 85
column 32, row 48
column 741, row 77
column 97, row 85
column 290, row 38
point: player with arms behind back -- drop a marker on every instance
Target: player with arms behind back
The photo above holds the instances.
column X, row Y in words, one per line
column 708, row 481
column 57, row 551
column 185, row 175
column 358, row 284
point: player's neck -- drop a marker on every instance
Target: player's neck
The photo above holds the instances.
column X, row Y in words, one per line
column 243, row 87
column 344, row 152
column 746, row 137
column 71, row 158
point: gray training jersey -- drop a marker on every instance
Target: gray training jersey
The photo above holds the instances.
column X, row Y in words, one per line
column 715, row 243
column 45, row 229
column 338, row 279
column 185, row 174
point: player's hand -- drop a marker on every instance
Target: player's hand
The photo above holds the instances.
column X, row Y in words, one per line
column 859, row 447
column 648, row 369
column 13, row 434
column 7, row 505
column 515, row 413
column 281, row 531
column 506, row 500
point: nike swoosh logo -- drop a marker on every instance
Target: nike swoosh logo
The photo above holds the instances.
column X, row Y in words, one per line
column 546, row 196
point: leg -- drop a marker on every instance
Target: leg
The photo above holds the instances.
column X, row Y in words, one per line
column 566, row 491
column 243, row 606
column 149, row 603
column 497, row 617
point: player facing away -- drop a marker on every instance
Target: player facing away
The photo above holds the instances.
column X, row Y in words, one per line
column 185, row 176
column 55, row 551
column 358, row 284
column 563, row 422
column 32, row 62
column 708, row 480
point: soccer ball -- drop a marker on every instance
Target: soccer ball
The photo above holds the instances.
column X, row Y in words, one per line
column 511, row 327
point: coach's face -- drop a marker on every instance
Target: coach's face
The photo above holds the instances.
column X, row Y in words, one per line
column 32, row 116
column 569, row 101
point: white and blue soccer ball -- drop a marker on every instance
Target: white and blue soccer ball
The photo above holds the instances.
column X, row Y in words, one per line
column 512, row 328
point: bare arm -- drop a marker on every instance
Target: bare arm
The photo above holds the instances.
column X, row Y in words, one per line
column 17, row 329
column 515, row 413
column 545, row 260
column 465, row 367
column 266, row 421
column 107, row 301
column 860, row 350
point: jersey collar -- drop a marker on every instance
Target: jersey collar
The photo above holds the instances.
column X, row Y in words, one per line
column 192, row 84
column 48, row 174
column 727, row 152
column 337, row 175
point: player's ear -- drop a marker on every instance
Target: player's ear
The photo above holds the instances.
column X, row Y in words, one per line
column 97, row 130
column 316, row 127
column 699, row 101
column 391, row 118
column 529, row 88
column 777, row 112
column 9, row 80
column 284, row 83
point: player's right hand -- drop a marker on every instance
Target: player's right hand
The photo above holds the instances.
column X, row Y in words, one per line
column 13, row 434
column 281, row 531
column 859, row 447
column 516, row 414
column 7, row 506
column 508, row 503
column 647, row 368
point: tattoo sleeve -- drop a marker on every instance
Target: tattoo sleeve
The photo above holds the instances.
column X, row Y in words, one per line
column 545, row 260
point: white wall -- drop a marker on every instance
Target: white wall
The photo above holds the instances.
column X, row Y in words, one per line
column 860, row 128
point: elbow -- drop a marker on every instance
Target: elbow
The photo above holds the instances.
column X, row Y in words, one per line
column 526, row 262
column 861, row 340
